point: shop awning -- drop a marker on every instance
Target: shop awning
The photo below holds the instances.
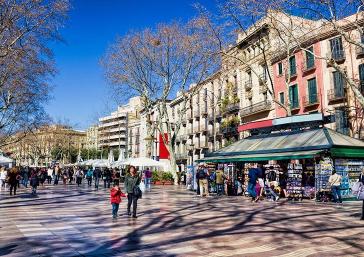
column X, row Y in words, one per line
column 289, row 145
column 263, row 157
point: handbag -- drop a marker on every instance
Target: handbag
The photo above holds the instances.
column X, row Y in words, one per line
column 142, row 187
column 137, row 192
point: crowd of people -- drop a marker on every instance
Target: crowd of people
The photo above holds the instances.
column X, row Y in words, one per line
column 16, row 177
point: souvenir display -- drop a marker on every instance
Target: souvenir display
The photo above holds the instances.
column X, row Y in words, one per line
column 323, row 171
column 350, row 171
column 294, row 182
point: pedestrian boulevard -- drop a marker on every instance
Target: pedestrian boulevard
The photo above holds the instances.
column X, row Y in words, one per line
column 71, row 221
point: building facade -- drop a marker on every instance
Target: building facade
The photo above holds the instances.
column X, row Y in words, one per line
column 92, row 137
column 46, row 144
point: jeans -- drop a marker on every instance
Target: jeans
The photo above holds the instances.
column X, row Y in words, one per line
column 115, row 209
column 132, row 199
column 147, row 182
column 251, row 190
column 336, row 193
column 34, row 190
column 97, row 181
column 25, row 181
column 220, row 189
column 56, row 178
column 107, row 182
column 79, row 180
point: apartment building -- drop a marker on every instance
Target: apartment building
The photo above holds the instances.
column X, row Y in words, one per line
column 113, row 129
column 316, row 86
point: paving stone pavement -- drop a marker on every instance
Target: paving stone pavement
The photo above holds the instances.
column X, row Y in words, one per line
column 71, row 221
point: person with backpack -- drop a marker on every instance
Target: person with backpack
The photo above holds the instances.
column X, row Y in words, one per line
column 202, row 178
column 115, row 199
column 89, row 175
column 132, row 181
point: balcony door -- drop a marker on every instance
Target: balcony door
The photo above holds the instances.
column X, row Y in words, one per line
column 293, row 96
column 338, row 84
column 337, row 50
column 361, row 77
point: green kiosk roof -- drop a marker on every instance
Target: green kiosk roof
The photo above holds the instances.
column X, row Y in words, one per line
column 289, row 145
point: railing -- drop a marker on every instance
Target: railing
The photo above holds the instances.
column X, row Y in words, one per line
column 232, row 108
column 203, row 127
column 310, row 100
column 337, row 55
column 295, row 104
column 249, row 94
column 263, row 88
column 204, row 143
column 336, row 94
column 263, row 79
column 256, row 108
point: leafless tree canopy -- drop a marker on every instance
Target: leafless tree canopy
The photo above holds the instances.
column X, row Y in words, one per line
column 26, row 61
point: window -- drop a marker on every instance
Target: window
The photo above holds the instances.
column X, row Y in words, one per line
column 341, row 120
column 264, row 72
column 249, row 76
column 265, row 96
column 361, row 77
column 280, row 68
column 312, row 91
column 293, row 96
column 337, row 50
column 205, row 95
column 281, row 97
column 338, row 80
column 292, row 65
column 310, row 59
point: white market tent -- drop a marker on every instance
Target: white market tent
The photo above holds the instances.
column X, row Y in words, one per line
column 101, row 163
column 5, row 160
column 143, row 162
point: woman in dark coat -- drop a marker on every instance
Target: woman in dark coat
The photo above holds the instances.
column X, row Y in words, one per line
column 13, row 180
column 132, row 181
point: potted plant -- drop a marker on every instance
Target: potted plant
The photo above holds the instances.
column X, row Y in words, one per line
column 167, row 178
column 156, row 178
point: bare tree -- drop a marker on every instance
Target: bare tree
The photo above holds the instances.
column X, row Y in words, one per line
column 156, row 64
column 26, row 61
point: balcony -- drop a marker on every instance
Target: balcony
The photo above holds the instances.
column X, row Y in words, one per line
column 189, row 115
column 308, row 66
column 292, row 74
column 295, row 105
column 204, row 111
column 263, row 106
column 230, row 108
column 359, row 51
column 336, row 95
column 337, row 55
column 263, row 79
column 310, row 101
column 210, row 134
column 196, row 130
column 211, row 117
column 190, row 131
column 248, row 85
column 217, row 114
column 263, row 88
column 196, row 114
column 203, row 127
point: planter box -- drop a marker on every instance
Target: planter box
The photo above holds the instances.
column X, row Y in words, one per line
column 167, row 183
column 158, row 183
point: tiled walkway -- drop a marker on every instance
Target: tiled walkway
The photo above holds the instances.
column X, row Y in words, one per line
column 71, row 221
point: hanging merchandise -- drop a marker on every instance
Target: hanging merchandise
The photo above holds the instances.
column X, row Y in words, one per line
column 308, row 181
column 323, row 171
column 294, row 182
column 350, row 172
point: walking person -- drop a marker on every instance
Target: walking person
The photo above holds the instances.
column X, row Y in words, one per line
column 65, row 176
column 106, row 176
column 57, row 174
column 335, row 182
column 219, row 182
column 26, row 177
column 34, row 182
column 115, row 199
column 49, row 175
column 3, row 174
column 147, row 179
column 97, row 176
column 202, row 178
column 79, row 176
column 252, row 181
column 13, row 179
column 89, row 175
column 131, row 185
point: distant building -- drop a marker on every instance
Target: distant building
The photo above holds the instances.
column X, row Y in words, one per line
column 113, row 129
column 46, row 144
column 92, row 137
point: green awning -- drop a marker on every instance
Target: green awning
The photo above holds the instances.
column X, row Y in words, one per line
column 263, row 157
column 347, row 152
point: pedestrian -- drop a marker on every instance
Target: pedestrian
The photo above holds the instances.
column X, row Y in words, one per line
column 26, row 177
column 57, row 173
column 202, row 178
column 252, row 181
column 70, row 175
column 115, row 199
column 97, row 176
column 220, row 182
column 89, row 175
column 13, row 179
column 65, row 176
column 335, row 182
column 147, row 179
column 260, row 176
column 79, row 176
column 106, row 176
column 131, row 185
column 49, row 175
column 34, row 182
column 3, row 174
column 43, row 176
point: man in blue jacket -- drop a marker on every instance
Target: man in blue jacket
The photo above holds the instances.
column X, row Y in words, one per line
column 253, row 176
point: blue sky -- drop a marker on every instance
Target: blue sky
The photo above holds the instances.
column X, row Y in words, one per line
column 81, row 93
